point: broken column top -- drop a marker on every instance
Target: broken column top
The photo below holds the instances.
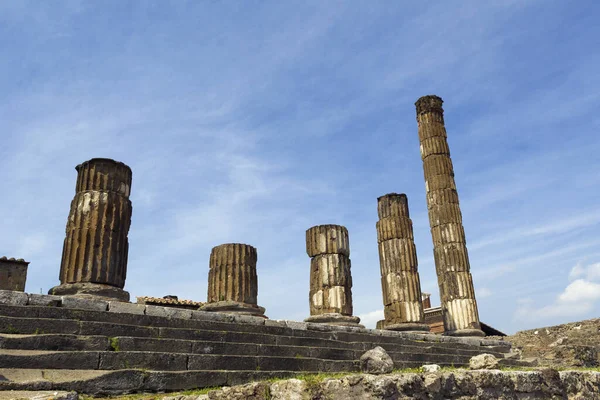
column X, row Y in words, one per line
column 233, row 254
column 393, row 205
column 103, row 174
column 13, row 260
column 429, row 103
column 327, row 239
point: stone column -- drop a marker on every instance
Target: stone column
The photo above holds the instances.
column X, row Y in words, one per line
column 457, row 294
column 13, row 274
column 402, row 305
column 232, row 280
column 94, row 259
column 330, row 296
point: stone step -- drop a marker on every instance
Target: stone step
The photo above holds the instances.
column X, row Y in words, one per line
column 113, row 360
column 120, row 343
column 16, row 325
column 106, row 383
column 199, row 320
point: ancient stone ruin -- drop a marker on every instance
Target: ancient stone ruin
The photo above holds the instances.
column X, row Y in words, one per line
column 13, row 274
column 401, row 287
column 88, row 326
column 94, row 260
column 461, row 317
column 232, row 280
column 330, row 296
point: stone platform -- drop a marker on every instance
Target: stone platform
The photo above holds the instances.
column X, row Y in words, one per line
column 100, row 347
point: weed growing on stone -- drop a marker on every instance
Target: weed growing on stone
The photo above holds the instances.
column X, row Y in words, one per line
column 11, row 329
column 114, row 343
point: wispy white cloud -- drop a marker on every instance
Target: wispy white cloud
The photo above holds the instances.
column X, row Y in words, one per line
column 578, row 298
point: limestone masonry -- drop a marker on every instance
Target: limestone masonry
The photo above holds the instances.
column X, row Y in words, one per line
column 330, row 296
column 232, row 280
column 13, row 274
column 403, row 307
column 457, row 294
column 86, row 335
column 94, row 260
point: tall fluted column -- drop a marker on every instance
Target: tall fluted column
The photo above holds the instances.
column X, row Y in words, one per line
column 402, row 304
column 94, row 259
column 457, row 294
column 232, row 280
column 330, row 296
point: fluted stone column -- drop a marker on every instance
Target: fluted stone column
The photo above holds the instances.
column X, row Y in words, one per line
column 232, row 280
column 94, row 259
column 457, row 294
column 13, row 274
column 330, row 296
column 402, row 305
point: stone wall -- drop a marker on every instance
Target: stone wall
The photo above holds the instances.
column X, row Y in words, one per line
column 460, row 384
column 576, row 344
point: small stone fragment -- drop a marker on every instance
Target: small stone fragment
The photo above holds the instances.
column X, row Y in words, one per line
column 483, row 361
column 376, row 361
column 429, row 368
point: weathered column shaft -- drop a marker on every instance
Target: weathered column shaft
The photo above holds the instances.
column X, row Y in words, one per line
column 96, row 245
column 95, row 250
column 330, row 296
column 401, row 287
column 13, row 274
column 445, row 219
column 232, row 280
column 232, row 274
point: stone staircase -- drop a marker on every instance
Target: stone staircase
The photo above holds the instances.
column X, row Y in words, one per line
column 98, row 347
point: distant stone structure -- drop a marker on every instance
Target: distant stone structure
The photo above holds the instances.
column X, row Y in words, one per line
column 457, row 294
column 232, row 280
column 330, row 295
column 403, row 309
column 13, row 274
column 94, row 259
column 169, row 301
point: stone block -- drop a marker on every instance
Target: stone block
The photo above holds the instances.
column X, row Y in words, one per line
column 248, row 319
column 327, row 239
column 296, row 325
column 448, row 233
column 393, row 205
column 10, row 297
column 126, row 308
column 44, row 300
column 212, row 316
column 438, row 165
column 168, row 312
column 328, row 270
column 434, row 145
column 451, row 258
column 82, row 303
column 442, row 196
column 394, row 228
column 397, row 255
column 13, row 274
column 439, row 182
column 143, row 359
column 444, row 214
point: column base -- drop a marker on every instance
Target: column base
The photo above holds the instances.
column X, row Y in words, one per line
column 234, row 307
column 335, row 319
column 91, row 290
column 465, row 332
column 412, row 327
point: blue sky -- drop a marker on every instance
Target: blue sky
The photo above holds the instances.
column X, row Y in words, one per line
column 253, row 121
